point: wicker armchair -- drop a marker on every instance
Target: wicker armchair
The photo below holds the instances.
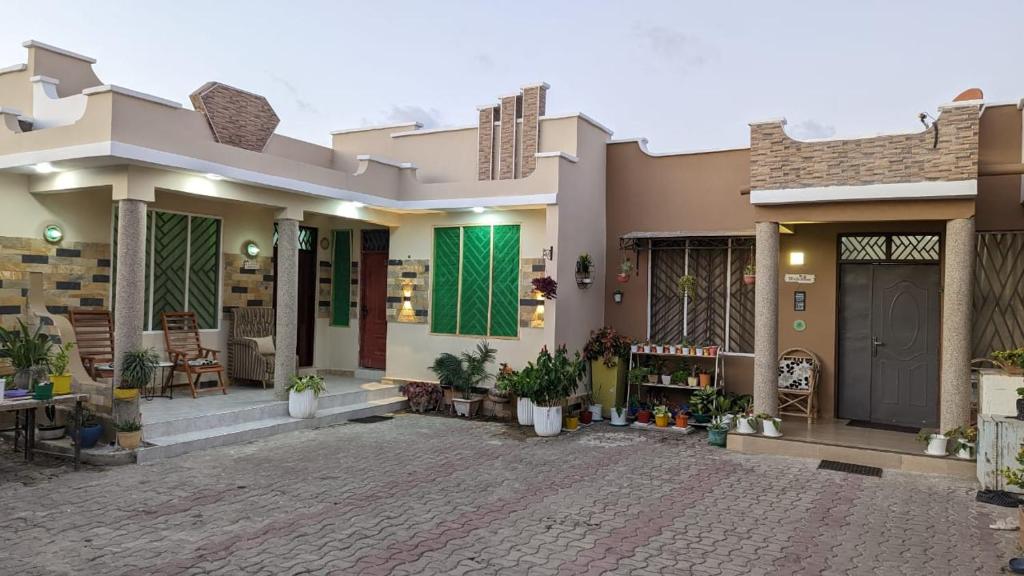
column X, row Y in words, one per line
column 799, row 372
column 245, row 362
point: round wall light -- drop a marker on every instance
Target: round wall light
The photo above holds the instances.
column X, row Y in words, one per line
column 252, row 249
column 53, row 233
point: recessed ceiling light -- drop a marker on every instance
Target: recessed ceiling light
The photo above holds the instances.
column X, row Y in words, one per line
column 357, row 204
column 213, row 176
column 44, row 168
column 479, row 209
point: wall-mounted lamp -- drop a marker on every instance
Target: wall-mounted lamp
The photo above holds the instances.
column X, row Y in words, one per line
column 252, row 249
column 617, row 296
column 53, row 234
column 796, row 258
column 548, row 253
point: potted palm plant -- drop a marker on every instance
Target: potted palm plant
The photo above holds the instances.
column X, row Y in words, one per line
column 137, row 370
column 59, row 375
column 464, row 372
column 129, row 434
column 29, row 353
column 553, row 378
column 584, row 267
column 303, row 394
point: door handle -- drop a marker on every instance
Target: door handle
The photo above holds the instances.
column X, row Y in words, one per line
column 875, row 343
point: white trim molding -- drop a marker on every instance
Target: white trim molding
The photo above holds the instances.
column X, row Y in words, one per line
column 566, row 155
column 56, row 50
column 407, row 125
column 868, row 192
column 581, row 115
column 131, row 93
column 385, row 161
column 434, row 130
column 14, row 68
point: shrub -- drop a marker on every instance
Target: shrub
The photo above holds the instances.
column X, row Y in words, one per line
column 466, row 371
column 138, row 367
column 423, row 396
column 608, row 345
column 553, row 378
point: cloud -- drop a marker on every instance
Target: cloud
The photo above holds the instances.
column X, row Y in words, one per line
column 811, row 129
column 429, row 117
column 675, row 47
column 301, row 104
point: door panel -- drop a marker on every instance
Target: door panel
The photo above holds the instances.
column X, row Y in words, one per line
column 854, row 389
column 373, row 328
column 306, row 307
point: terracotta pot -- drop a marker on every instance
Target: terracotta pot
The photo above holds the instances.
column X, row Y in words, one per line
column 705, row 380
column 643, row 416
column 622, row 278
column 749, row 279
column 711, row 351
column 682, row 420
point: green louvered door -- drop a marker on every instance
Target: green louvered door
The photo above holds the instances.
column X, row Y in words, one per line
column 474, row 288
column 505, row 282
column 204, row 269
column 444, row 315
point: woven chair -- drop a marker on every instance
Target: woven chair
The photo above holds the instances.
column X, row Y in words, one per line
column 245, row 361
column 181, row 336
column 799, row 372
column 94, row 338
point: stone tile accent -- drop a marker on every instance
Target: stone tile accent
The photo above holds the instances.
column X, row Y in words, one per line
column 244, row 286
column 777, row 161
column 412, row 277
column 323, row 290
column 237, row 118
column 534, row 102
column 529, row 269
column 485, row 144
column 507, row 141
column 75, row 275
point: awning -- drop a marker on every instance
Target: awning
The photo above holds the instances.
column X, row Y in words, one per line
column 679, row 239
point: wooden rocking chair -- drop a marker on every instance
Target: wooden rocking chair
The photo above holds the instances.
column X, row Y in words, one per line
column 94, row 337
column 186, row 352
column 799, row 372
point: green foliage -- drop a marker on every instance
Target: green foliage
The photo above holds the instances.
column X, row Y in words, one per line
column 662, row 411
column 680, row 376
column 584, row 263
column 552, row 378
column 1015, row 477
column 308, row 382
column 924, row 435
column 703, row 401
column 138, row 367
column 1009, row 358
column 743, row 404
column 508, row 380
column 128, row 426
column 88, row 419
column 750, row 270
column 60, row 359
column 465, row 371
column 608, row 345
column 686, row 286
column 638, row 375
column 626, row 266
column 25, row 348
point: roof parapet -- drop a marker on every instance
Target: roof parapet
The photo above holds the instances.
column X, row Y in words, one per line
column 50, row 48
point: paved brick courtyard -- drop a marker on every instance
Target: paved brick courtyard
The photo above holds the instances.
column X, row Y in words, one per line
column 431, row 495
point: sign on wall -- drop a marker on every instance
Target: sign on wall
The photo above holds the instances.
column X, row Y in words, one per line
column 800, row 278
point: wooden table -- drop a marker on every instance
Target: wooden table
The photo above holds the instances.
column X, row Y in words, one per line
column 28, row 406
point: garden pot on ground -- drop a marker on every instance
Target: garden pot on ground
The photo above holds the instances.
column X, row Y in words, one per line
column 705, row 380
column 129, row 440
column 547, row 420
column 572, row 422
column 302, row 404
column 524, row 412
column 701, row 418
column 49, row 432
column 586, row 416
column 746, row 425
column 643, row 416
column 771, row 427
column 126, row 393
column 467, row 408
column 618, row 416
column 61, row 384
column 90, row 435
column 717, row 438
column 936, row 445
column 682, row 421
column 595, row 412
column 661, row 420
column 965, row 450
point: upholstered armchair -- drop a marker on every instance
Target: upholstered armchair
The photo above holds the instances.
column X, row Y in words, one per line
column 251, row 345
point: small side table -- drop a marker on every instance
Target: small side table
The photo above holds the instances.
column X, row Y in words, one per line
column 158, row 386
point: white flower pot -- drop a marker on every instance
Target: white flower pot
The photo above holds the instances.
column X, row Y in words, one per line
column 463, row 407
column 666, row 379
column 936, row 445
column 618, row 416
column 547, row 420
column 770, row 427
column 524, row 411
column 692, row 381
column 700, row 351
column 595, row 411
column 302, row 404
column 965, row 450
column 745, row 425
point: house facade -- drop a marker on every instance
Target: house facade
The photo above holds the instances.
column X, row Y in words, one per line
column 892, row 258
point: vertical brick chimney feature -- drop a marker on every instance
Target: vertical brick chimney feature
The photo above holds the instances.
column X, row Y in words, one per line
column 507, row 139
column 485, row 143
column 534, row 101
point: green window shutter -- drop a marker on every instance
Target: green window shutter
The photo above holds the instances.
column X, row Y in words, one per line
column 170, row 242
column 505, row 282
column 341, row 278
column 444, row 313
column 204, row 269
column 474, row 294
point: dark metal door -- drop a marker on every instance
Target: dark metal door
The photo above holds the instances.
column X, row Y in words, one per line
column 888, row 343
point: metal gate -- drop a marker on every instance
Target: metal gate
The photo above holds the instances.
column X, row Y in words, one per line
column 998, row 293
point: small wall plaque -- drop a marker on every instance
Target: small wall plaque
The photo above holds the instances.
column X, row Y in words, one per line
column 250, row 265
column 800, row 278
column 799, row 301
column 799, row 325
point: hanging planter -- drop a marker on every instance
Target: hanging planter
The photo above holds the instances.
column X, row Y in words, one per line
column 625, row 268
column 749, row 274
column 546, row 286
column 584, row 271
column 686, row 286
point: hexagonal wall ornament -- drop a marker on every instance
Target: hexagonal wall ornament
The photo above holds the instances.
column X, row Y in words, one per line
column 236, row 117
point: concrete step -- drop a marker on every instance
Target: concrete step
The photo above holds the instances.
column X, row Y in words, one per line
column 177, row 444
column 368, row 374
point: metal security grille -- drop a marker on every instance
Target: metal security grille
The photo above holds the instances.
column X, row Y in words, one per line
column 998, row 293
column 375, row 240
column 889, row 248
column 307, row 238
column 722, row 309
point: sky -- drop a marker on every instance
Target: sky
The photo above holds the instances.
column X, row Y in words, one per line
column 685, row 75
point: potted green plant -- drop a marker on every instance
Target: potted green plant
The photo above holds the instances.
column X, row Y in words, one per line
column 607, row 351
column 964, row 441
column 59, row 375
column 1011, row 361
column 129, row 434
column 686, row 286
column 770, row 425
column 701, row 404
column 422, row 396
column 28, row 351
column 749, row 274
column 625, row 268
column 137, row 370
column 552, row 379
column 657, row 366
column 464, row 372
column 1016, row 478
column 1020, row 403
column 584, row 266
column 936, row 443
column 303, row 395
column 90, row 431
column 717, row 433
column 680, row 376
column 661, row 416
column 618, row 416
column 512, row 382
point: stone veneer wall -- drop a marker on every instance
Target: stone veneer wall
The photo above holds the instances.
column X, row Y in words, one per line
column 326, row 282
column 534, row 103
column 415, row 276
column 243, row 287
column 485, row 143
column 778, row 161
column 507, row 139
column 530, row 269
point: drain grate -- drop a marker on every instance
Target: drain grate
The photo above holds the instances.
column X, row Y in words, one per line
column 371, row 419
column 850, row 468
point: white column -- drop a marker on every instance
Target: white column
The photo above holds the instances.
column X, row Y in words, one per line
column 957, row 288
column 129, row 300
column 287, row 280
column 766, row 320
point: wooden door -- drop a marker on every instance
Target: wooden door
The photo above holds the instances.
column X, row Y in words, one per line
column 373, row 327
column 306, row 306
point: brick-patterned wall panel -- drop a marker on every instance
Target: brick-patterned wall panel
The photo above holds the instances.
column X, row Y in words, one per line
column 354, row 292
column 529, row 314
column 507, row 141
column 485, row 144
column 75, row 275
column 323, row 290
column 533, row 108
column 410, row 277
column 777, row 161
column 236, row 117
column 247, row 286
